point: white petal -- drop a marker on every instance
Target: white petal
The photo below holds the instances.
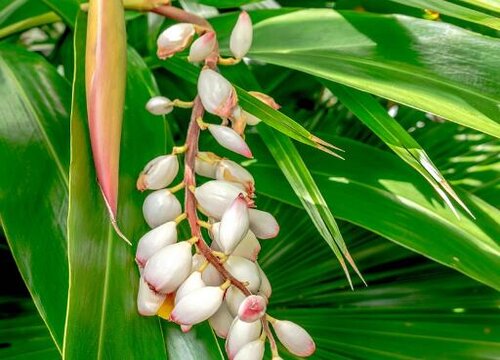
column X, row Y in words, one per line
column 263, row 224
column 197, row 261
column 148, row 301
column 221, row 321
column 230, row 139
column 192, row 283
column 159, row 207
column 294, row 338
column 197, row 306
column 202, row 47
column 240, row 334
column 234, row 224
column 244, row 270
column 252, row 351
column 230, row 171
column 206, row 164
column 174, row 39
column 211, row 276
column 251, row 120
column 241, row 36
column 216, row 93
column 215, row 196
column 158, row 173
column 154, row 240
column 159, row 105
column 234, row 298
column 252, row 308
column 248, row 248
column 169, row 267
column 265, row 285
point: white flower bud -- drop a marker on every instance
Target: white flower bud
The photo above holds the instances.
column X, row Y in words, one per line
column 206, row 164
column 216, row 93
column 197, row 261
column 230, row 139
column 221, row 321
column 250, row 119
column 169, row 267
column 215, row 196
column 148, row 301
column 211, row 276
column 158, row 173
column 234, row 224
column 234, row 298
column 197, row 306
column 263, row 224
column 294, row 338
column 174, row 39
column 186, row 328
column 240, row 334
column 159, row 207
column 252, row 308
column 254, row 350
column 192, row 283
column 248, row 247
column 159, row 105
column 244, row 270
column 154, row 240
column 265, row 285
column 230, row 171
column 202, row 47
column 241, row 36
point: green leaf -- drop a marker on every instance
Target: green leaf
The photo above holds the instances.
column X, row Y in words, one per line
column 222, row 4
column 20, row 15
column 67, row 9
column 102, row 267
column 415, row 66
column 199, row 343
column 34, row 152
column 491, row 5
column 375, row 190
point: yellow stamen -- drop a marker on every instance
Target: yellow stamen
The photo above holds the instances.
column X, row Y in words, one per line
column 228, row 61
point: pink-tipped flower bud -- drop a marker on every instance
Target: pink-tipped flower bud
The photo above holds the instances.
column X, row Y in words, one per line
column 263, row 224
column 228, row 138
column 154, row 240
column 158, row 173
column 221, row 321
column 254, row 350
column 186, row 328
column 240, row 334
column 192, row 283
column 206, row 164
column 234, row 224
column 265, row 288
column 244, row 270
column 230, row 171
column 202, row 47
column 234, row 298
column 174, row 39
column 159, row 105
column 169, row 267
column 159, row 207
column 266, row 99
column 215, row 196
column 294, row 338
column 248, row 247
column 148, row 301
column 252, row 308
column 198, row 305
column 241, row 36
column 216, row 93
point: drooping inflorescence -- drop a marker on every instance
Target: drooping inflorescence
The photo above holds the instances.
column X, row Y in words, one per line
column 190, row 281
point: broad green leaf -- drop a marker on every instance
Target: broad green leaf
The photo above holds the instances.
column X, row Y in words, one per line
column 453, row 10
column 67, row 9
column 199, row 343
column 102, row 268
column 375, row 190
column 453, row 76
column 34, row 153
column 491, row 5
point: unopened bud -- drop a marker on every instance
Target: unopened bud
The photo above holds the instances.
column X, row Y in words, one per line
column 250, row 119
column 186, row 328
column 241, row 36
column 215, row 196
column 192, row 283
column 228, row 138
column 234, row 224
column 234, row 298
column 206, row 164
column 254, row 350
column 211, row 276
column 174, row 39
column 169, row 267
column 294, row 338
column 230, row 171
column 197, row 261
column 216, row 93
column 148, row 301
column 265, row 285
column 244, row 270
column 248, row 247
column 159, row 207
column 266, row 99
column 240, row 334
column 252, row 308
column 221, row 321
column 158, row 173
column 159, row 105
column 154, row 240
column 263, row 224
column 198, row 305
column 202, row 47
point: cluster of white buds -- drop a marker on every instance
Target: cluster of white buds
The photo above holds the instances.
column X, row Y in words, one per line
column 190, row 281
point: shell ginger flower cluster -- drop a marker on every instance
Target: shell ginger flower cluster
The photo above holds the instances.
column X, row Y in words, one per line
column 188, row 281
